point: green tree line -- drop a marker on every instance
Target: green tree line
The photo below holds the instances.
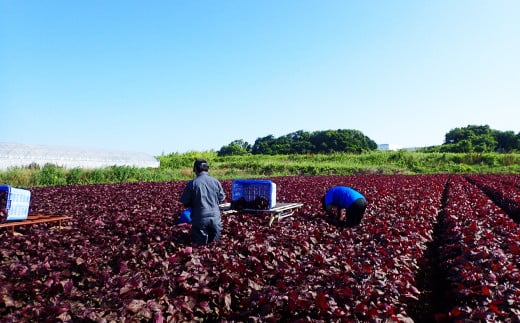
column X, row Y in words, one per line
column 470, row 139
column 303, row 142
column 478, row 139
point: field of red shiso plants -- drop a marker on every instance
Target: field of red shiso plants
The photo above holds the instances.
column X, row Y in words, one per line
column 431, row 248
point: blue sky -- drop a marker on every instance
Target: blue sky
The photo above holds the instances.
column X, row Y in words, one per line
column 175, row 76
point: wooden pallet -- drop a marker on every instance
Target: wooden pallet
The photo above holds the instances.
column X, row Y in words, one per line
column 35, row 218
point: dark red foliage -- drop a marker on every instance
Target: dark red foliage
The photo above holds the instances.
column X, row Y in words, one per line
column 123, row 258
column 480, row 255
column 504, row 190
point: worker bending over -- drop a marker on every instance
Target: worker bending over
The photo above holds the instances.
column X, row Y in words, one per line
column 350, row 205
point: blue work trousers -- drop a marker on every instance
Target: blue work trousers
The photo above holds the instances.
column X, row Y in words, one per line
column 206, row 230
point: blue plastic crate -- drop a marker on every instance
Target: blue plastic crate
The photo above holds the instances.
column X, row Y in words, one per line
column 17, row 202
column 253, row 194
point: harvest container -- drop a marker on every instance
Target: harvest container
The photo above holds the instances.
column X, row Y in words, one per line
column 15, row 201
column 185, row 216
column 253, row 194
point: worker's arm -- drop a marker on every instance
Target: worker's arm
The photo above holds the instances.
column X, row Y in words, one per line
column 330, row 210
column 186, row 197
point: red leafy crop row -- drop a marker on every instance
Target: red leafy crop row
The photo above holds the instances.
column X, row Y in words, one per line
column 376, row 277
column 503, row 189
column 123, row 258
column 392, row 243
column 480, row 256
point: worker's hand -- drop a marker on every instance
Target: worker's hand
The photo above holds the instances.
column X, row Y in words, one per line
column 342, row 215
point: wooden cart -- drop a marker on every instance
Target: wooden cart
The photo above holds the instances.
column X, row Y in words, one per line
column 33, row 219
column 276, row 213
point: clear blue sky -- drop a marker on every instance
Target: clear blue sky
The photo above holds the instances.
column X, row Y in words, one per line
column 174, row 76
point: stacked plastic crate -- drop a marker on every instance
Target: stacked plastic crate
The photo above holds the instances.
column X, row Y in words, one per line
column 253, row 194
column 14, row 203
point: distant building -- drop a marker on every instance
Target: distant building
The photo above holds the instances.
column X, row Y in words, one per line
column 21, row 155
column 388, row 147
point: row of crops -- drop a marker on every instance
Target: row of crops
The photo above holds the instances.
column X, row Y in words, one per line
column 430, row 248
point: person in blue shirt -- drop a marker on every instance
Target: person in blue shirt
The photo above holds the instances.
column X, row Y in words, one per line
column 203, row 195
column 350, row 205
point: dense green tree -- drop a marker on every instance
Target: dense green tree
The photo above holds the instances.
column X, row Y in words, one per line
column 264, row 146
column 507, row 141
column 235, row 148
column 326, row 141
column 470, row 139
column 341, row 140
column 301, row 142
column 281, row 146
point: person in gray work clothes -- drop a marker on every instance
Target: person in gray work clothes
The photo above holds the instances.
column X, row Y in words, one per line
column 203, row 195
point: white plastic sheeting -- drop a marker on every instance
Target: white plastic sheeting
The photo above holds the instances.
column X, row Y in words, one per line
column 22, row 155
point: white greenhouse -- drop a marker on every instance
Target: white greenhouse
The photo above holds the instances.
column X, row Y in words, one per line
column 23, row 155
